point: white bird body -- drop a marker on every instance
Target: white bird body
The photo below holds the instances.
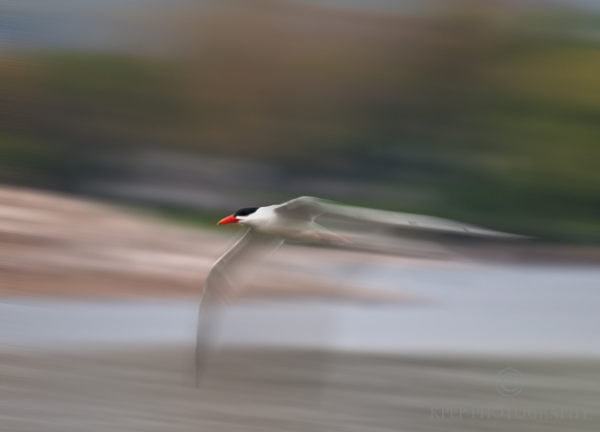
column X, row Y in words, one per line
column 275, row 221
column 263, row 219
column 268, row 221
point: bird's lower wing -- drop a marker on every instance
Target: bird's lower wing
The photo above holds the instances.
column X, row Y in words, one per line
column 227, row 274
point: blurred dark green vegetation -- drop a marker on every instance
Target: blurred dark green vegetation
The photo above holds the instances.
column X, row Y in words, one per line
column 495, row 112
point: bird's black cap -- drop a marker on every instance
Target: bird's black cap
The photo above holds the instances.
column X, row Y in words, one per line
column 245, row 211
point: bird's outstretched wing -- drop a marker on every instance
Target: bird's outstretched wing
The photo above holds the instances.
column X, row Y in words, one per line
column 311, row 208
column 227, row 274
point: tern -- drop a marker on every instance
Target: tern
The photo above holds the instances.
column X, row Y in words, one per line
column 269, row 226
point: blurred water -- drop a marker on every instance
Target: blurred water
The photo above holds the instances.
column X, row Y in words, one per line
column 470, row 310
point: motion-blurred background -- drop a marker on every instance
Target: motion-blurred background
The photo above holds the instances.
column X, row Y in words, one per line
column 484, row 111
column 129, row 127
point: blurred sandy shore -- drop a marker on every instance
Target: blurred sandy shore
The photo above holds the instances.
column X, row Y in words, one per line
column 52, row 245
column 150, row 389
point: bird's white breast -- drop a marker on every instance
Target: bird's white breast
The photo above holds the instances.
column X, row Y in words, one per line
column 267, row 220
column 261, row 219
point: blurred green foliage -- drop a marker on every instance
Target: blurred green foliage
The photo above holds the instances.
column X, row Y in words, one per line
column 495, row 112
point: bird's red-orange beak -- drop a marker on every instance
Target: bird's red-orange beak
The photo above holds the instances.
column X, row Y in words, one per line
column 228, row 220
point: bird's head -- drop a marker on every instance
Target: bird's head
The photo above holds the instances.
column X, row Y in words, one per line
column 239, row 216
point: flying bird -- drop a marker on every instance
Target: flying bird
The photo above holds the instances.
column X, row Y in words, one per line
column 268, row 227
